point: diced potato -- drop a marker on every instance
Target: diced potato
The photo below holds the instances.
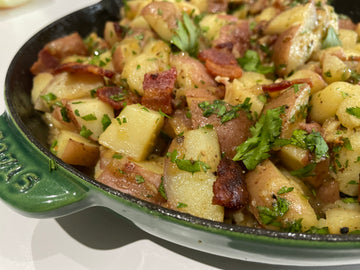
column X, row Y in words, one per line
column 40, row 81
column 210, row 25
column 69, row 86
column 191, row 73
column 296, row 104
column 75, row 149
column 264, row 184
column 293, row 157
column 325, row 103
column 154, row 58
column 317, row 81
column 267, row 14
column 344, row 112
column 293, row 48
column 193, row 192
column 110, row 33
column 348, row 38
column 89, row 114
column 133, row 132
column 348, row 166
column 299, row 15
column 247, row 86
column 162, row 17
column 202, row 5
column 337, row 218
column 333, row 69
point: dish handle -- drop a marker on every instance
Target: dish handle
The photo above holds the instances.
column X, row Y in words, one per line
column 33, row 183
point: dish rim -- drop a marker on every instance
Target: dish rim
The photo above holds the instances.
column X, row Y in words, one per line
column 243, row 232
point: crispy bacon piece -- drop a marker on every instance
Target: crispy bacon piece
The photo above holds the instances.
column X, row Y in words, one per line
column 53, row 52
column 116, row 97
column 220, row 63
column 273, row 87
column 230, row 188
column 73, row 67
column 235, row 37
column 158, row 88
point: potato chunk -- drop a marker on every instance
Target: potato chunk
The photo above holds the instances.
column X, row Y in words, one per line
column 192, row 192
column 133, row 132
column 89, row 114
column 264, row 185
column 75, row 149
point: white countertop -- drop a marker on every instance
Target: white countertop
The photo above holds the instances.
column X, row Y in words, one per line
column 95, row 238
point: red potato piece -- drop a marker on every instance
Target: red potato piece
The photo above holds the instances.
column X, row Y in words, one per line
column 230, row 134
column 53, row 52
column 235, row 36
column 130, row 178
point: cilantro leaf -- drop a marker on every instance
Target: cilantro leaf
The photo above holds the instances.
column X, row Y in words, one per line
column 331, row 39
column 251, row 62
column 265, row 132
column 187, row 36
column 304, row 171
column 224, row 111
column 188, row 165
column 268, row 216
column 354, row 111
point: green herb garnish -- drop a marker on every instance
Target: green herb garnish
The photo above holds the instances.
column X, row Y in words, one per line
column 354, row 111
column 331, row 39
column 188, row 165
column 251, row 62
column 187, row 36
column 265, row 132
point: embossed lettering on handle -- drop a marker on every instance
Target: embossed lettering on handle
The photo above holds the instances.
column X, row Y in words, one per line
column 10, row 166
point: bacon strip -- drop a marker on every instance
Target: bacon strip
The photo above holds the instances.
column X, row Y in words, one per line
column 220, row 63
column 158, row 88
column 116, row 97
column 230, row 188
column 53, row 52
column 83, row 68
column 273, row 87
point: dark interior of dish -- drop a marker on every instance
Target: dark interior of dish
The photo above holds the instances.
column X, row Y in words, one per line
column 18, row 85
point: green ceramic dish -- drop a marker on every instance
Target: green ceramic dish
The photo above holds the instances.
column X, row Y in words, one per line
column 32, row 185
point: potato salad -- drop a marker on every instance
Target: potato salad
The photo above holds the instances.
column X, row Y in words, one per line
column 238, row 111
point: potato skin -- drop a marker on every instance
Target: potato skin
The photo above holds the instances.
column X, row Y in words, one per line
column 263, row 185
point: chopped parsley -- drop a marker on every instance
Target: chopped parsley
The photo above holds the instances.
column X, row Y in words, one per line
column 117, row 156
column 181, row 205
column 162, row 189
column 284, row 190
column 331, row 39
column 64, row 114
column 139, row 179
column 265, row 132
column 187, row 36
column 86, row 133
column 269, row 216
column 105, row 121
column 188, row 165
column 49, row 97
column 304, row 171
column 89, row 117
column 354, row 111
column 224, row 111
column 52, row 165
column 251, row 62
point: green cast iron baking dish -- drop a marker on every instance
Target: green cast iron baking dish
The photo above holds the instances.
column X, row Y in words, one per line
column 30, row 183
